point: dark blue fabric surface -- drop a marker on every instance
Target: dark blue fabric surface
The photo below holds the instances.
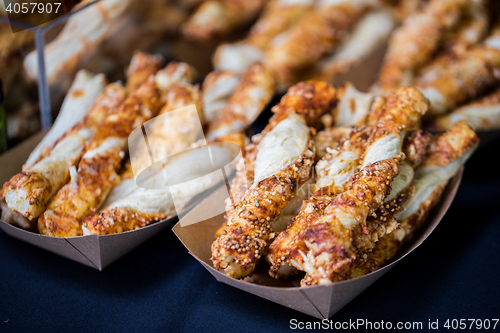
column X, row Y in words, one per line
column 159, row 287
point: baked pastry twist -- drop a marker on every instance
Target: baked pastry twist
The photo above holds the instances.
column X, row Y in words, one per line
column 413, row 44
column 28, row 193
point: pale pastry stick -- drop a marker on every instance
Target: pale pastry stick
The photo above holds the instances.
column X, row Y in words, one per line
column 27, row 193
column 81, row 34
column 144, row 206
column 482, row 114
column 372, row 31
column 313, row 37
column 464, row 76
column 284, row 159
column 96, row 173
column 332, row 238
column 217, row 18
column 252, row 94
column 413, row 44
column 141, row 67
column 217, row 87
column 76, row 105
column 278, row 16
column 447, row 154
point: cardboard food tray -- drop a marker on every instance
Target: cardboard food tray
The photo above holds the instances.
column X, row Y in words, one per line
column 318, row 301
column 94, row 251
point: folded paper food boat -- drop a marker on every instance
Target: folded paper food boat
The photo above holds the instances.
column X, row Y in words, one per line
column 93, row 251
column 318, row 301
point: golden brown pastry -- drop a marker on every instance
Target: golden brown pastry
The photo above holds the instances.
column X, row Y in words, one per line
column 313, row 37
column 413, row 44
column 465, row 75
column 448, row 152
column 97, row 171
column 249, row 99
column 400, row 115
column 333, row 172
column 284, row 159
column 217, row 88
column 27, row 193
column 277, row 17
column 284, row 154
column 144, row 206
column 218, row 18
column 368, row 35
column 482, row 114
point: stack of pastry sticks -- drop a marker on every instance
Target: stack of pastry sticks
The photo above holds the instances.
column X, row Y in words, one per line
column 450, row 51
column 310, row 38
column 373, row 187
column 446, row 48
column 78, row 179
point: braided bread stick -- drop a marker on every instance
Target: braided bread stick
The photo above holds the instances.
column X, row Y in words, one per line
column 313, row 37
column 465, row 76
column 334, row 172
column 284, row 159
column 179, row 129
column 482, row 114
column 412, row 45
column 249, row 99
column 332, row 238
column 448, row 152
column 28, row 192
column 217, row 18
column 307, row 101
column 277, row 17
column 144, row 205
column 96, row 173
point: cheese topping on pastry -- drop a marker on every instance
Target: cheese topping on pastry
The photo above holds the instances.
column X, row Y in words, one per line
column 382, row 149
column 281, row 146
column 402, row 180
column 337, row 170
column 427, row 181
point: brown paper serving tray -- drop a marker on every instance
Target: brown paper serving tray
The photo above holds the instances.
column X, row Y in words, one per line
column 318, row 301
column 94, row 251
